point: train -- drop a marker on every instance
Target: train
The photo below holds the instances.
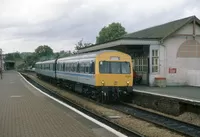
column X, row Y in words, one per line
column 105, row 76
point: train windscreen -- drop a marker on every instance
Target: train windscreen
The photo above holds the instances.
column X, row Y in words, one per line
column 113, row 67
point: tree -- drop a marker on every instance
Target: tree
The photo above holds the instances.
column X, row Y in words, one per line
column 62, row 54
column 25, row 54
column 44, row 51
column 80, row 45
column 30, row 60
column 13, row 56
column 110, row 32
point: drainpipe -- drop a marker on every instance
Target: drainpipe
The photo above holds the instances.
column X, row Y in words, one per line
column 165, row 57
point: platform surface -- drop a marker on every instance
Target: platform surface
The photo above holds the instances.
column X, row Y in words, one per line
column 25, row 112
column 181, row 92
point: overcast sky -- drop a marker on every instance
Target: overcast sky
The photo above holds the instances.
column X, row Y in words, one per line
column 26, row 24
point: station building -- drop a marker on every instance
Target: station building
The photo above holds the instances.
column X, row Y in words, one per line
column 170, row 50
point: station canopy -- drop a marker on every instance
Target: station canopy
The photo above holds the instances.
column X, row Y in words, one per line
column 148, row 36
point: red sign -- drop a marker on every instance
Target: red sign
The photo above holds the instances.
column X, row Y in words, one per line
column 172, row 70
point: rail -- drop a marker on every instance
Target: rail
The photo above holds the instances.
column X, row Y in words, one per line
column 170, row 123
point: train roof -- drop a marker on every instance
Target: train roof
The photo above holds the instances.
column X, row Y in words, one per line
column 48, row 61
column 86, row 55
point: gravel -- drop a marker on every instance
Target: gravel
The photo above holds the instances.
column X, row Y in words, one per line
column 132, row 123
column 187, row 117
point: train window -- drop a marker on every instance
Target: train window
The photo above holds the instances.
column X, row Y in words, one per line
column 77, row 68
column 82, row 68
column 125, row 67
column 54, row 67
column 51, row 67
column 63, row 66
column 58, row 67
column 115, row 67
column 73, row 67
column 66, row 67
column 69, row 69
column 92, row 68
column 104, row 67
column 87, row 67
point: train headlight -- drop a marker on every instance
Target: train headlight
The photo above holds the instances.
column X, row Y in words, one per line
column 102, row 82
column 128, row 82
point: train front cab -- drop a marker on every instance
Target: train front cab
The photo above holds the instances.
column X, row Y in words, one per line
column 114, row 76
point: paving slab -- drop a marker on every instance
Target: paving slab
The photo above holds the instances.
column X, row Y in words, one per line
column 25, row 112
column 181, row 92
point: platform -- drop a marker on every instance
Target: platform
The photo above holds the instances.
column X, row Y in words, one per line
column 25, row 112
column 186, row 93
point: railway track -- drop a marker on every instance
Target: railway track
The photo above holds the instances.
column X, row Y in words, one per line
column 166, row 122
column 84, row 110
column 170, row 123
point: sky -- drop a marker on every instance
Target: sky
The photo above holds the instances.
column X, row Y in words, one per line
column 27, row 24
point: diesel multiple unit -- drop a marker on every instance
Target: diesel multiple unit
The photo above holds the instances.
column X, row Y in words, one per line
column 103, row 75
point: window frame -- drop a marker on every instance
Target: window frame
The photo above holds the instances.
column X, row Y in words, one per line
column 109, row 65
column 155, row 61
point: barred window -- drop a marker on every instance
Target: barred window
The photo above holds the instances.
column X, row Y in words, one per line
column 155, row 61
column 141, row 64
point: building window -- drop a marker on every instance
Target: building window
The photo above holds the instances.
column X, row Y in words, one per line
column 189, row 49
column 141, row 64
column 155, row 58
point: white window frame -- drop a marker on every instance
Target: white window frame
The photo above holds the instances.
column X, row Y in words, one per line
column 139, row 64
column 155, row 60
